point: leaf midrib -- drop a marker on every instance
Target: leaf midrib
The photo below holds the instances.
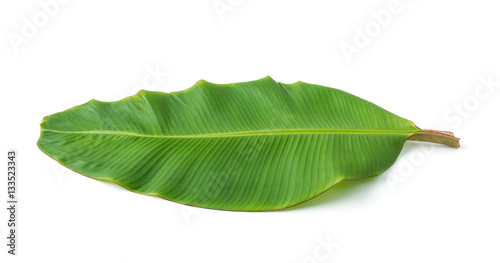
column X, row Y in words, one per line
column 247, row 133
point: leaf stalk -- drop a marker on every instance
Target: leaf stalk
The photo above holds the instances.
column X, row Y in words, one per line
column 441, row 137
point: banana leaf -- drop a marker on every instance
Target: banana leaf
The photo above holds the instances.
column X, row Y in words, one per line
column 250, row 146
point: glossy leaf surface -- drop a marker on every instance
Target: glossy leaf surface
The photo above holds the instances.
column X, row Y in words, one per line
column 252, row 146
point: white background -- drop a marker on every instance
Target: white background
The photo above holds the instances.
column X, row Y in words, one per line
column 425, row 63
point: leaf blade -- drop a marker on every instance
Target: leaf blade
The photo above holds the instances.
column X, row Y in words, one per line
column 251, row 146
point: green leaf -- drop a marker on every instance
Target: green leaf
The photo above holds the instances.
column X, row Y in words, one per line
column 252, row 146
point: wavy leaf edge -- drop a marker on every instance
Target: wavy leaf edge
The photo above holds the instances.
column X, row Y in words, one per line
column 433, row 136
